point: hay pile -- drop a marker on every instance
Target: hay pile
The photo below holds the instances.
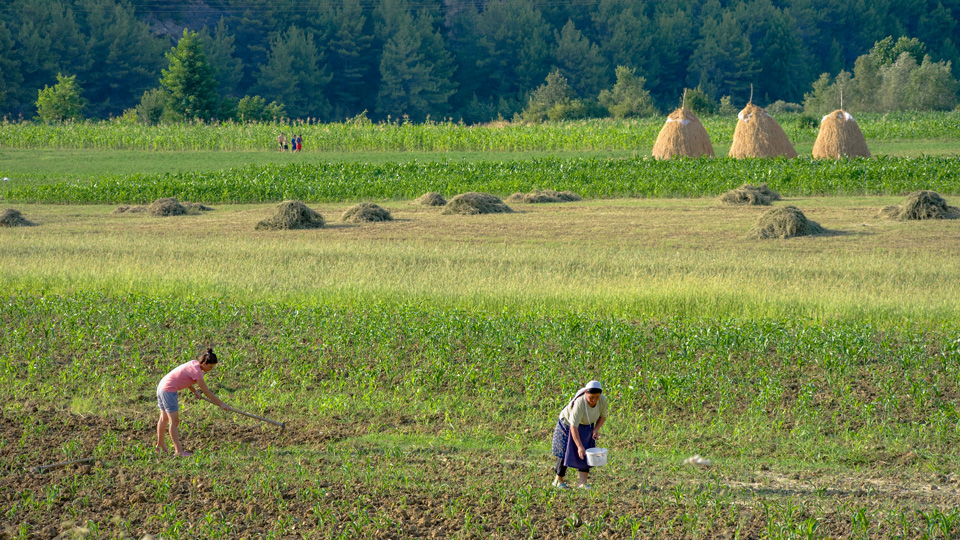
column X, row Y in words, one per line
column 759, row 135
column 785, row 222
column 544, row 196
column 431, row 198
column 840, row 137
column 130, row 209
column 195, row 207
column 921, row 205
column 166, row 207
column 473, row 203
column 13, row 218
column 366, row 213
column 682, row 135
column 750, row 195
column 292, row 215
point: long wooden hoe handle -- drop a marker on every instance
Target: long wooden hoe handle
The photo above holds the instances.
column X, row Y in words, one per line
column 44, row 468
column 260, row 418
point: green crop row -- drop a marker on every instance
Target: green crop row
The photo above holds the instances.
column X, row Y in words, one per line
column 752, row 377
column 591, row 178
column 433, row 136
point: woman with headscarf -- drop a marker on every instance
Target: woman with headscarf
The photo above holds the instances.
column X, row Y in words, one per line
column 577, row 429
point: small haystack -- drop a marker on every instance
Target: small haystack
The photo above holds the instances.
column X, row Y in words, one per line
column 759, row 135
column 921, row 205
column 13, row 218
column 130, row 209
column 366, row 213
column 785, row 222
column 292, row 215
column 750, row 195
column 473, row 203
column 682, row 135
column 431, row 198
column 166, row 207
column 544, row 196
column 840, row 137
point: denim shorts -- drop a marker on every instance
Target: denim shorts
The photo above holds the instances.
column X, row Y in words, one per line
column 167, row 401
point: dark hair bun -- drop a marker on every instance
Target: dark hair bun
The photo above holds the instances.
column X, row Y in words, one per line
column 209, row 350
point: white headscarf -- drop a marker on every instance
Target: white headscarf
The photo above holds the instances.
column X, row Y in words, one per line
column 592, row 385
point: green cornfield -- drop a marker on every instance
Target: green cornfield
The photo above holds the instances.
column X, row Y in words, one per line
column 435, row 136
column 592, row 178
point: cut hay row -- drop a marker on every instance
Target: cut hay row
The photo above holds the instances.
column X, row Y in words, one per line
column 591, row 178
column 544, row 196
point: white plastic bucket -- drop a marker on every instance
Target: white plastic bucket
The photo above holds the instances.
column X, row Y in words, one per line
column 596, row 457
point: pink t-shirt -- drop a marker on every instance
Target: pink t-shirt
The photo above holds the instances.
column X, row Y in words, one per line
column 182, row 376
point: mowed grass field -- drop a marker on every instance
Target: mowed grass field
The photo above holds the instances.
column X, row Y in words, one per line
column 420, row 365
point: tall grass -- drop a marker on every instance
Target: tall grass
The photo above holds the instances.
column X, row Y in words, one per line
column 434, row 136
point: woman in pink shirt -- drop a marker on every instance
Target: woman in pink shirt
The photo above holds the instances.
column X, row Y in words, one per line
column 182, row 377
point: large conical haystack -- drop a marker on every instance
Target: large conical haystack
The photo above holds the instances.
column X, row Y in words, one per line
column 759, row 135
column 921, row 205
column 544, row 196
column 785, row 222
column 292, row 215
column 166, row 207
column 366, row 213
column 13, row 218
column 750, row 195
column 682, row 135
column 473, row 203
column 431, row 198
column 840, row 137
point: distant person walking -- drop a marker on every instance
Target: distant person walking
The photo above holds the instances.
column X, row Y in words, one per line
column 180, row 378
column 299, row 142
column 577, row 430
column 282, row 140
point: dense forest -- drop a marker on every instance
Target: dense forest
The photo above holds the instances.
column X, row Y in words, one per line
column 473, row 60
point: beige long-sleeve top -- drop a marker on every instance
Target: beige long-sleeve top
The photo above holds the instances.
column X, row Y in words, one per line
column 582, row 414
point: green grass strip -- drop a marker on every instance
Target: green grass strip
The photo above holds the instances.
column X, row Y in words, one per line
column 591, row 178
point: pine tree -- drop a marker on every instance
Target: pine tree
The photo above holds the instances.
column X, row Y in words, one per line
column 415, row 69
column 580, row 62
column 189, row 81
column 10, row 76
column 295, row 75
column 124, row 57
column 723, row 62
column 626, row 35
column 516, row 40
column 220, row 49
column 351, row 60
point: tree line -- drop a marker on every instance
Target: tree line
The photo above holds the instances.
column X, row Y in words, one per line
column 472, row 60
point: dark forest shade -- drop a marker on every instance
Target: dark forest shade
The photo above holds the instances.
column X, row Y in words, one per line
column 462, row 59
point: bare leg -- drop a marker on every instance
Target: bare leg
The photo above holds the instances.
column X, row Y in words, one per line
column 583, row 478
column 161, row 432
column 175, row 432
